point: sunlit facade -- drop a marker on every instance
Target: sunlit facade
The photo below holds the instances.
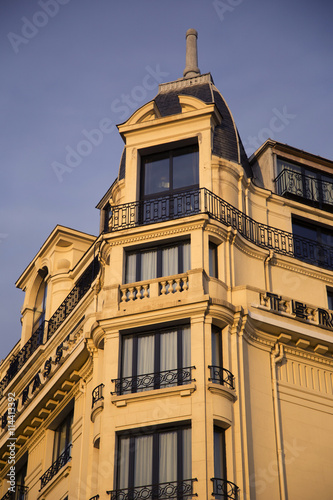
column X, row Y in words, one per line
column 186, row 351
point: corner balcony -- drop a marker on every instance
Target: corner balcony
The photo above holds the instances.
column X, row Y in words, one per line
column 308, row 189
column 203, row 201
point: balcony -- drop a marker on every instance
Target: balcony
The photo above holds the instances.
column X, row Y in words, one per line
column 222, row 376
column 55, row 467
column 224, row 490
column 203, row 201
column 178, row 490
column 151, row 381
column 21, row 493
column 97, row 394
column 48, row 328
column 309, row 189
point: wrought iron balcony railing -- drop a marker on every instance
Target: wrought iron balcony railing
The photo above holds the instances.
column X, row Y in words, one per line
column 56, row 466
column 204, row 201
column 97, row 394
column 66, row 307
column 222, row 376
column 224, row 490
column 178, row 490
column 311, row 189
column 20, row 493
column 150, row 381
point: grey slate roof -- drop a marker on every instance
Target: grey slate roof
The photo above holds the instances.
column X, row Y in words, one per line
column 226, row 143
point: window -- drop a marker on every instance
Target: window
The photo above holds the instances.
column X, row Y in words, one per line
column 313, row 243
column 218, row 374
column 63, row 436
column 160, row 457
column 21, row 490
column 213, row 269
column 298, row 181
column 220, row 489
column 160, row 261
column 40, row 302
column 155, row 359
column 330, row 299
column 167, row 172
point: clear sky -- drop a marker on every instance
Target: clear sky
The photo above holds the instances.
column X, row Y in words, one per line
column 68, row 64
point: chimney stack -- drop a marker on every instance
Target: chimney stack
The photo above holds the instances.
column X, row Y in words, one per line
column 191, row 68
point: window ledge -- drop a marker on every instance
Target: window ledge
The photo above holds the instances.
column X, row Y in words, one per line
column 54, row 481
column 179, row 390
column 223, row 391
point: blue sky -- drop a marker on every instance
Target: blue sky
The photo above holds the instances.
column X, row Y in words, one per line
column 68, row 64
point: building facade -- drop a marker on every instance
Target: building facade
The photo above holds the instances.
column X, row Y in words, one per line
column 186, row 350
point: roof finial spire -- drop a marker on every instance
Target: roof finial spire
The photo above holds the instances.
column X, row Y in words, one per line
column 191, row 68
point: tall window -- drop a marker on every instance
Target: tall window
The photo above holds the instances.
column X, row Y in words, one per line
column 170, row 171
column 155, row 359
column 160, row 261
column 220, row 469
column 213, row 269
column 40, row 302
column 155, row 458
column 63, row 436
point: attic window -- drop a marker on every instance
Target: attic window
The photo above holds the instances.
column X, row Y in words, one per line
column 170, row 171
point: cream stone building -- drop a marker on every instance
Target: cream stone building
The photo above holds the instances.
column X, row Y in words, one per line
column 187, row 350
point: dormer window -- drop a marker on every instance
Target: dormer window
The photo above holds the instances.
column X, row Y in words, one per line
column 169, row 172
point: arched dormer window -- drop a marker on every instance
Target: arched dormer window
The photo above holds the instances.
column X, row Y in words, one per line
column 40, row 302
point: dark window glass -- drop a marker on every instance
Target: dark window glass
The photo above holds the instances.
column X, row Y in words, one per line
column 63, row 436
column 40, row 302
column 153, row 263
column 213, row 269
column 165, row 351
column 153, row 458
column 170, row 171
column 216, row 347
column 219, row 453
column 317, row 247
column 330, row 299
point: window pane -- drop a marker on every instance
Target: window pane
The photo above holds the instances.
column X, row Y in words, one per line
column 145, row 354
column 168, row 457
column 127, row 358
column 213, row 260
column 169, row 261
column 123, row 462
column 219, row 454
column 330, row 300
column 304, row 230
column 168, row 351
column 143, row 465
column 216, row 348
column 148, row 265
column 185, row 168
column 156, row 175
column 186, row 257
column 131, row 268
column 187, row 454
column 186, row 347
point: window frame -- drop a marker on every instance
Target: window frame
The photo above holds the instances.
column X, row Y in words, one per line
column 213, row 260
column 68, row 422
column 155, row 331
column 155, row 431
column 167, row 154
column 138, row 251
